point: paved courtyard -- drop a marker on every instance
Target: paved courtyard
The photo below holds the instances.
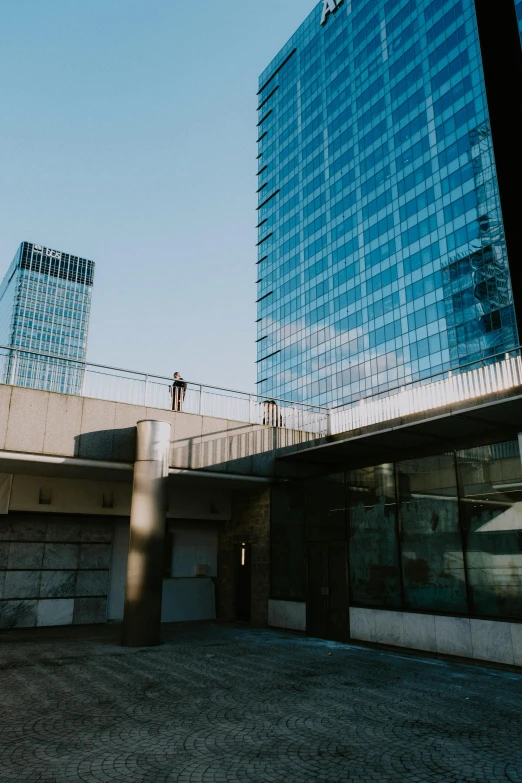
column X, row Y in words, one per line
column 219, row 704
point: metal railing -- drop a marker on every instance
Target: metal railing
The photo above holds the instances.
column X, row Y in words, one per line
column 50, row 372
column 495, row 374
column 35, row 370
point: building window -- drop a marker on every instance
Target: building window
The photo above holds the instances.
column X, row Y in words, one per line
column 491, row 485
column 374, row 558
column 431, row 548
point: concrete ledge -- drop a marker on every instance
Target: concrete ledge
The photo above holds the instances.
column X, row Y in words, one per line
column 496, row 641
column 287, row 614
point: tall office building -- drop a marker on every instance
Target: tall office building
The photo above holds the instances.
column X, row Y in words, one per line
column 45, row 301
column 387, row 215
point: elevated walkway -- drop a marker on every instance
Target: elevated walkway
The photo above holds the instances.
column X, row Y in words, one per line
column 49, row 433
column 223, row 434
column 481, row 421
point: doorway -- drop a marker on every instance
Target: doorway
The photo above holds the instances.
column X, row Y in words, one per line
column 327, row 606
column 243, row 582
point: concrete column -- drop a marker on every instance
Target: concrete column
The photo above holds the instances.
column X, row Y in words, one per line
column 142, row 615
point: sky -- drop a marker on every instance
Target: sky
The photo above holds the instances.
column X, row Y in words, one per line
column 128, row 137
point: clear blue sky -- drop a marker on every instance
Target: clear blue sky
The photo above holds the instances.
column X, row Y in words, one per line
column 128, row 137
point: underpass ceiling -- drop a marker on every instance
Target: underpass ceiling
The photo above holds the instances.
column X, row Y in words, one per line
column 458, row 427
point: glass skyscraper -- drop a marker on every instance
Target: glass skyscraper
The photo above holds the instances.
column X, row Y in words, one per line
column 518, row 6
column 45, row 301
column 382, row 253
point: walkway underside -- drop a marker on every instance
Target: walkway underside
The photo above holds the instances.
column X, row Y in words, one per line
column 478, row 422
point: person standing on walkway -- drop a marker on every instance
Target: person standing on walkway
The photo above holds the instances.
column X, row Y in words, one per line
column 271, row 415
column 177, row 392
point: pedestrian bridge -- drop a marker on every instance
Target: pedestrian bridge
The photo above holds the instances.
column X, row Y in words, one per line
column 221, row 431
column 67, row 463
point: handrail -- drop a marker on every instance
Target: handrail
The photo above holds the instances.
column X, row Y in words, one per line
column 160, row 377
column 460, row 387
column 422, row 381
column 36, row 369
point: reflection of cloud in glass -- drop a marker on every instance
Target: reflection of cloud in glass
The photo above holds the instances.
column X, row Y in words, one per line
column 327, row 347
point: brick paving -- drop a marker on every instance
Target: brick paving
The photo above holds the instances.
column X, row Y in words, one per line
column 223, row 703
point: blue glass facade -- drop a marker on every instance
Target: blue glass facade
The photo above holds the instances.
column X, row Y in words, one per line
column 381, row 255
column 45, row 301
column 518, row 7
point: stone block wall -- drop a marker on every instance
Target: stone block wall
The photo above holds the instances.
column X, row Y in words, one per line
column 250, row 523
column 54, row 569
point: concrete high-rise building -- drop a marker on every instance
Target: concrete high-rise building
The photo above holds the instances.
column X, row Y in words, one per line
column 388, row 177
column 45, row 301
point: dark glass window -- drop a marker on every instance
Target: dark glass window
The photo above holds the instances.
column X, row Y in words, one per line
column 374, row 560
column 450, row 70
column 419, row 231
column 431, row 549
column 423, row 286
column 440, row 27
column 421, row 258
column 377, row 204
column 385, row 333
column 314, row 205
column 491, row 505
column 408, row 81
column 348, row 273
column 287, row 543
column 415, row 178
column 386, row 305
column 381, row 280
column 416, row 204
column 380, row 253
column 372, row 183
column 375, row 231
column 345, row 250
column 374, row 158
column 343, row 205
column 343, row 228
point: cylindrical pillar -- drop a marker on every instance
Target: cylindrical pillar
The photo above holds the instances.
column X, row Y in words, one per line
column 142, row 616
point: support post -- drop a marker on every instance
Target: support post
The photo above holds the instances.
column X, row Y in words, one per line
column 142, row 615
column 13, row 368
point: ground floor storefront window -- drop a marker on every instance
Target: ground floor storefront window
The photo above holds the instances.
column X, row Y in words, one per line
column 429, row 536
column 373, row 550
column 490, row 480
column 439, row 534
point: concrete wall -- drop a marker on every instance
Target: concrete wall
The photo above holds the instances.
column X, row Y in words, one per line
column 185, row 595
column 43, row 550
column 287, row 614
column 39, row 422
column 43, row 423
column 118, row 575
column 62, row 569
column 50, row 494
column 194, row 543
column 482, row 640
column 188, row 599
column 53, row 570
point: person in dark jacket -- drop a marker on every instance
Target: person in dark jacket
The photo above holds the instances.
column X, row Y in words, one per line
column 271, row 415
column 177, row 392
